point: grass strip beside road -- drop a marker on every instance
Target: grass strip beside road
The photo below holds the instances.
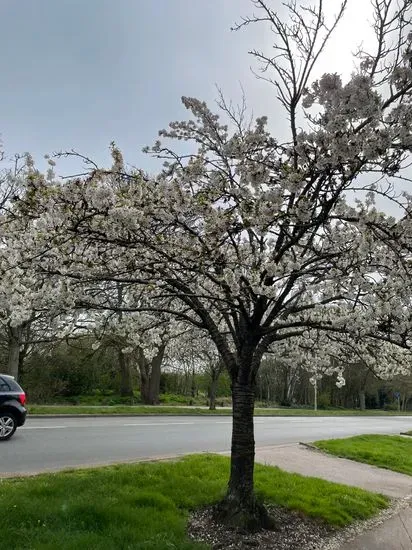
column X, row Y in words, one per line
column 122, row 409
column 391, row 452
column 147, row 505
column 197, row 411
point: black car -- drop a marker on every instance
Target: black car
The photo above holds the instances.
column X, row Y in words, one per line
column 12, row 409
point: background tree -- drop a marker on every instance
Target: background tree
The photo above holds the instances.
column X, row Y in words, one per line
column 194, row 353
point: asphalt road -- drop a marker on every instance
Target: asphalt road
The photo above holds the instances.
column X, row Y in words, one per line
column 47, row 444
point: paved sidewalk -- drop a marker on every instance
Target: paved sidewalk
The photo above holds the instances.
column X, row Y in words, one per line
column 394, row 533
column 302, row 460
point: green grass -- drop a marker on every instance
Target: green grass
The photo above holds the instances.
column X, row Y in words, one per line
column 173, row 410
column 386, row 451
column 122, row 409
column 109, row 397
column 145, row 506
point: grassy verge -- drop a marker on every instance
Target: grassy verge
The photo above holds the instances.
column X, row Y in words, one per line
column 109, row 398
column 146, row 506
column 174, row 410
column 122, row 409
column 386, row 451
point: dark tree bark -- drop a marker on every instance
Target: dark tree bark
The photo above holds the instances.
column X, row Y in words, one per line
column 22, row 358
column 14, row 341
column 216, row 369
column 154, row 382
column 150, row 372
column 362, row 400
column 126, row 385
column 240, row 507
column 285, row 386
column 212, row 392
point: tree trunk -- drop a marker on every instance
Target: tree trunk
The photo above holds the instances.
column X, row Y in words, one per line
column 13, row 351
column 154, row 383
column 285, row 386
column 240, row 507
column 362, row 401
column 144, row 387
column 212, row 392
column 22, row 357
column 126, row 385
column 24, row 350
column 150, row 373
column 193, row 384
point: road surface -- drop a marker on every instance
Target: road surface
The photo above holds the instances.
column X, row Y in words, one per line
column 48, row 444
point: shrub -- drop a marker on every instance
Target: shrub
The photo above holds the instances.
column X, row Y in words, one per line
column 323, row 401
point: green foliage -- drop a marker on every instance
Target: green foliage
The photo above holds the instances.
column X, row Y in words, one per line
column 223, row 386
column 145, row 506
column 180, row 384
column 66, row 372
column 73, row 374
column 172, row 398
column 386, row 451
column 324, row 401
column 390, row 406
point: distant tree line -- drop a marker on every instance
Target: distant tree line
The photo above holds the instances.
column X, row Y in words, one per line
column 72, row 372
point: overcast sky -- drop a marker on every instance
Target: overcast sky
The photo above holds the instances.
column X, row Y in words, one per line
column 81, row 73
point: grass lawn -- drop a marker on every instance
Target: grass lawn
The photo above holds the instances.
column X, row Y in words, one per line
column 145, row 506
column 177, row 410
column 392, row 452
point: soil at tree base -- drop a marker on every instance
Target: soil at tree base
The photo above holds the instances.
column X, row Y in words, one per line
column 294, row 532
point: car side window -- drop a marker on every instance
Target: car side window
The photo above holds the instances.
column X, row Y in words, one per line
column 13, row 386
column 4, row 385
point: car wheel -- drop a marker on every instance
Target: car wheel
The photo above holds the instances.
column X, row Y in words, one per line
column 8, row 426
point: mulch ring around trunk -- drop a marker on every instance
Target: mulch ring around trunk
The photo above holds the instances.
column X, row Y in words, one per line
column 296, row 532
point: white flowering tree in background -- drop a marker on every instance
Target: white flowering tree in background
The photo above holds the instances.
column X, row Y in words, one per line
column 13, row 320
column 29, row 311
column 254, row 240
column 121, row 318
column 193, row 352
column 330, row 353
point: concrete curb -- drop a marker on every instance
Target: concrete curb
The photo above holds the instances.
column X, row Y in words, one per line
column 151, row 415
column 96, row 465
column 103, row 415
column 157, row 458
column 213, row 415
column 311, row 447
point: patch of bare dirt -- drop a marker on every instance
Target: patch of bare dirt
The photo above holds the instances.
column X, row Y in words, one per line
column 295, row 532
